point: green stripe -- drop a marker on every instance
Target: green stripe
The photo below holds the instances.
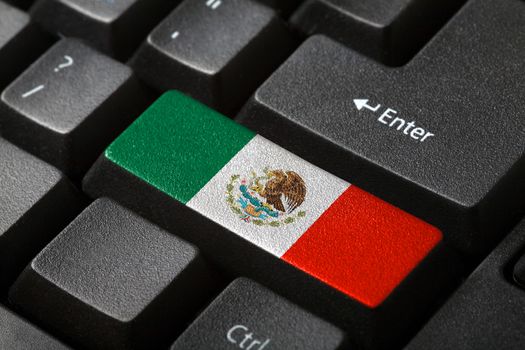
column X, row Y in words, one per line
column 178, row 145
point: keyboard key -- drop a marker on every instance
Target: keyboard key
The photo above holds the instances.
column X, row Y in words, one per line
column 36, row 201
column 20, row 43
column 248, row 316
column 115, row 27
column 69, row 105
column 487, row 311
column 18, row 334
column 188, row 162
column 389, row 31
column 216, row 51
column 113, row 280
column 429, row 137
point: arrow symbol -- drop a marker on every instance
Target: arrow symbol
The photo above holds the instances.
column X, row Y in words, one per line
column 361, row 103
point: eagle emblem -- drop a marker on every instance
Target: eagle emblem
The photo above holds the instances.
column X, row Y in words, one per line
column 272, row 198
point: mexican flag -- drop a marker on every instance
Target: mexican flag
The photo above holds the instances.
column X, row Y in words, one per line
column 303, row 215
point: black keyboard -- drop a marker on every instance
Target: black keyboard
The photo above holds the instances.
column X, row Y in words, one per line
column 262, row 174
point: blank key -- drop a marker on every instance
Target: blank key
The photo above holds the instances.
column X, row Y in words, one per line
column 20, row 42
column 113, row 280
column 36, row 202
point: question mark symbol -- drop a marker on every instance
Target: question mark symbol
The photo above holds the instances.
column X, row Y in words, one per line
column 69, row 62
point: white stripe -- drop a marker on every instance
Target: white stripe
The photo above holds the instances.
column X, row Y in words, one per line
column 322, row 190
column 33, row 91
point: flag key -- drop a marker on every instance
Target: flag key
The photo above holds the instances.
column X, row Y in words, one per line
column 267, row 214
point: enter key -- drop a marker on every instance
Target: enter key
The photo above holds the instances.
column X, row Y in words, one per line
column 442, row 137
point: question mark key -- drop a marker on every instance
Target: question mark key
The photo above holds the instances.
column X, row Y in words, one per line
column 68, row 61
column 69, row 105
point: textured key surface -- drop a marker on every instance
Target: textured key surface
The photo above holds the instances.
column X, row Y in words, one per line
column 389, row 31
column 137, row 281
column 12, row 21
column 35, row 202
column 114, row 26
column 248, row 316
column 18, row 334
column 439, row 137
column 487, row 310
column 187, row 161
column 20, row 42
column 69, row 105
column 24, row 181
column 216, row 51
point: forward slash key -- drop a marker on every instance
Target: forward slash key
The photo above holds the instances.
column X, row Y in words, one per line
column 33, row 91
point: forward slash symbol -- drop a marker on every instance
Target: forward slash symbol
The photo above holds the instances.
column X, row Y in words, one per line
column 33, row 91
column 213, row 4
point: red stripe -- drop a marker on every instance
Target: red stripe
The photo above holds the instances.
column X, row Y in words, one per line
column 363, row 246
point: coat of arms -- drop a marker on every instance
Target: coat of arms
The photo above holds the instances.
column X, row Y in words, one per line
column 272, row 198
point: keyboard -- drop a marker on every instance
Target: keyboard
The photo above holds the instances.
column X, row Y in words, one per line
column 262, row 174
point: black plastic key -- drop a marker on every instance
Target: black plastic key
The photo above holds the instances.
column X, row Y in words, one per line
column 389, row 31
column 20, row 43
column 69, row 105
column 115, row 27
column 216, row 51
column 441, row 137
column 487, row 311
column 248, row 316
column 36, row 202
column 18, row 334
column 113, row 280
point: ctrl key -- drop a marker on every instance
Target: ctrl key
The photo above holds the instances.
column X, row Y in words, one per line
column 112, row 280
column 249, row 316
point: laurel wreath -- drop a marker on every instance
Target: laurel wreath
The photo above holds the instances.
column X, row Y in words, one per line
column 230, row 199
